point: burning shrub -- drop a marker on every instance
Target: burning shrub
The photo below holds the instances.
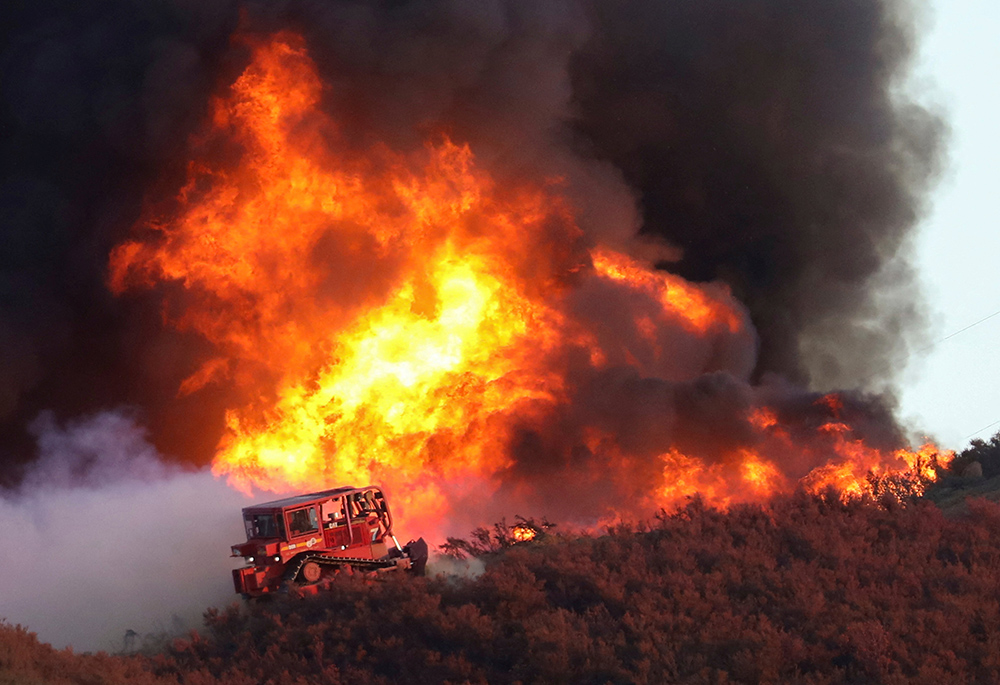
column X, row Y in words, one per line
column 486, row 541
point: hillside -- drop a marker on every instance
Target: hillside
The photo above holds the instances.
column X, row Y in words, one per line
column 806, row 589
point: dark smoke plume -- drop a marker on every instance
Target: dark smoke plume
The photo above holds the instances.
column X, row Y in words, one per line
column 766, row 141
column 96, row 101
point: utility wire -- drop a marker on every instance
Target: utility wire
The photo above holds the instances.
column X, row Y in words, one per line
column 995, row 423
column 961, row 330
column 864, row 379
column 938, row 342
column 952, row 335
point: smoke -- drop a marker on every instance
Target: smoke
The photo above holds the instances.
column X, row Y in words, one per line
column 763, row 144
column 441, row 565
column 97, row 99
column 769, row 142
column 766, row 143
column 103, row 538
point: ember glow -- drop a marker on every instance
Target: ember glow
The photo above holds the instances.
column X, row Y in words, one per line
column 381, row 317
column 523, row 533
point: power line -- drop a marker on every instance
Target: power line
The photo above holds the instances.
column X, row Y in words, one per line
column 938, row 342
column 995, row 423
column 952, row 335
column 887, row 364
column 961, row 330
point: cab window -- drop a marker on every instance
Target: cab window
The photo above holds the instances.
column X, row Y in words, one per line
column 263, row 526
column 302, row 521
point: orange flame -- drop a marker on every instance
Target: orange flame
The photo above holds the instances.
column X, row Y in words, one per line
column 400, row 378
column 390, row 318
column 523, row 533
column 693, row 307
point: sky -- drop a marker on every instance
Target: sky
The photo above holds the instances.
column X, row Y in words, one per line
column 954, row 391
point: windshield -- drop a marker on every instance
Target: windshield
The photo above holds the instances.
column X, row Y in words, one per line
column 262, row 526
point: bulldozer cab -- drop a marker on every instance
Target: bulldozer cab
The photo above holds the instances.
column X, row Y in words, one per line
column 350, row 522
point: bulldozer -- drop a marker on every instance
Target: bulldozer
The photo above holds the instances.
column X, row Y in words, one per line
column 302, row 542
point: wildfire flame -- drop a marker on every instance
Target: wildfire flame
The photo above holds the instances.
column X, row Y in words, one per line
column 523, row 533
column 388, row 317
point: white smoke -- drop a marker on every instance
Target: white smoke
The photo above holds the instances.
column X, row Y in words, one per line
column 441, row 565
column 104, row 538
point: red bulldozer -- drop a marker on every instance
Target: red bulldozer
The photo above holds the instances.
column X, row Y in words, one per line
column 303, row 541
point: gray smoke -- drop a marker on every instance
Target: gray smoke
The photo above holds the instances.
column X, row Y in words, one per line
column 103, row 538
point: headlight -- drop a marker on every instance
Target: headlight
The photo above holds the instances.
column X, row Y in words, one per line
column 250, row 560
column 277, row 558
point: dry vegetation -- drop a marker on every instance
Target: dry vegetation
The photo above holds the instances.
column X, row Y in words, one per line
column 804, row 590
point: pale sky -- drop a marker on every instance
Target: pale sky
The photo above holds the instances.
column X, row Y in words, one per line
column 954, row 391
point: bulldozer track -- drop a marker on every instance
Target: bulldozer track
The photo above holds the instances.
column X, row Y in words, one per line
column 293, row 571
